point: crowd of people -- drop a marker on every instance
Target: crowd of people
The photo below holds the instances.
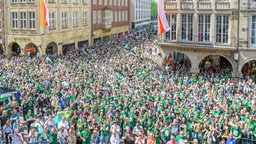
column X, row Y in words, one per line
column 112, row 93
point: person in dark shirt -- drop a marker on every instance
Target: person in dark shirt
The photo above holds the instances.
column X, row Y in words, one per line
column 3, row 118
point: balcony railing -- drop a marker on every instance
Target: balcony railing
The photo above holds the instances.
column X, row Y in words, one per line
column 107, row 26
column 187, row 5
column 222, row 5
column 204, row 5
column 170, row 5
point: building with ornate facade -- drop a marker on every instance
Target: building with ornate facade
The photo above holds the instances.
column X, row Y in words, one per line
column 1, row 26
column 210, row 32
column 110, row 18
column 69, row 27
column 140, row 13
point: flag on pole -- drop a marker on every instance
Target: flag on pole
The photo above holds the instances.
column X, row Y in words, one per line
column 162, row 21
column 44, row 15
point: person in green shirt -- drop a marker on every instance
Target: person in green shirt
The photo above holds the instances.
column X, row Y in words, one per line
column 236, row 132
column 156, row 132
column 166, row 133
column 30, row 118
column 105, row 133
column 52, row 136
column 180, row 138
column 86, row 135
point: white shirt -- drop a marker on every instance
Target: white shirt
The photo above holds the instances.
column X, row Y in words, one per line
column 17, row 139
column 113, row 128
column 61, row 136
column 32, row 137
column 65, row 124
column 49, row 123
column 114, row 139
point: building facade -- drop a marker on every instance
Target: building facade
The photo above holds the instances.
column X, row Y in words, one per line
column 68, row 29
column 110, row 18
column 140, row 13
column 208, row 29
column 1, row 26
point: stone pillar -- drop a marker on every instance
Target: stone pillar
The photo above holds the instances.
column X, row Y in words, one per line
column 194, row 70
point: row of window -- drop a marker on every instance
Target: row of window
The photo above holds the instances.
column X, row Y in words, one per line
column 111, row 2
column 26, row 20
column 22, row 1
column 51, row 1
column 204, row 28
column 207, row 0
column 199, row 0
column 143, row 4
column 142, row 14
column 116, row 16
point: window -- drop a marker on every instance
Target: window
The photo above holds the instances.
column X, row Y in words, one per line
column 31, row 1
column 100, row 2
column 120, row 16
column 64, row 1
column 14, row 1
column 75, row 1
column 172, row 21
column 95, row 13
column 204, row 22
column 116, row 17
column 222, row 27
column 126, row 15
column 84, row 18
column 108, row 18
column 187, row 27
column 75, row 19
column 253, row 30
column 22, row 1
column 23, row 20
column 126, row 3
column 99, row 16
column 105, row 2
column 14, row 19
column 31, row 20
column 52, row 21
column 84, row 1
column 113, row 16
column 94, row 1
column 119, row 2
column 110, row 2
column 115, row 2
column 64, row 19
column 253, row 0
column 52, row 1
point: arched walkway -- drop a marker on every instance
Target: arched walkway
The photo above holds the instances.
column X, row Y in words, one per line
column 249, row 68
column 215, row 63
column 51, row 48
column 31, row 49
column 177, row 61
column 14, row 49
column 1, row 49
